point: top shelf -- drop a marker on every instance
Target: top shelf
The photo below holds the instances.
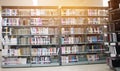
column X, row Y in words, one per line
column 52, row 7
column 30, row 7
column 53, row 11
column 82, row 7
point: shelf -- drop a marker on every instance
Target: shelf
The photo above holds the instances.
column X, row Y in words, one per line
column 74, row 43
column 30, row 7
column 30, row 16
column 83, row 43
column 95, row 42
column 31, row 44
column 16, row 56
column 51, row 64
column 85, row 62
column 81, row 25
column 35, row 35
column 43, row 44
column 29, row 26
column 83, row 7
column 76, row 63
column 93, row 34
column 18, row 44
column 44, row 55
column 73, row 34
column 15, row 65
column 84, row 16
column 97, row 62
column 82, row 53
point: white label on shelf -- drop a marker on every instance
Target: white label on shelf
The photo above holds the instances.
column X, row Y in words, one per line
column 112, row 43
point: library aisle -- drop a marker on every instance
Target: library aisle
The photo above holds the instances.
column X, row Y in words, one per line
column 91, row 67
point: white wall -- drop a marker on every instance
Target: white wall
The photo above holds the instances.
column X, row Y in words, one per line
column 52, row 2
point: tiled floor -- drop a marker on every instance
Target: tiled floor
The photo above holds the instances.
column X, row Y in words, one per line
column 93, row 67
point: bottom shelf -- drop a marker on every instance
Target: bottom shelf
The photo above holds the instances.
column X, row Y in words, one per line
column 85, row 62
column 29, row 65
column 40, row 65
column 16, row 65
column 53, row 64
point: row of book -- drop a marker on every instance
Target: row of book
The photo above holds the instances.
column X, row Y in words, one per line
column 37, row 40
column 72, row 30
column 72, row 49
column 29, row 12
column 42, row 31
column 24, row 51
column 20, row 31
column 113, row 37
column 44, row 51
column 51, row 21
column 82, row 30
column 41, row 60
column 37, row 51
column 43, row 40
column 44, row 60
column 52, row 31
column 53, row 12
column 14, row 61
column 30, row 31
column 74, row 40
column 96, row 12
column 6, row 40
column 81, row 58
column 68, row 21
column 24, row 40
column 29, row 21
column 93, row 39
column 81, row 49
column 27, row 60
column 94, row 30
column 71, row 40
column 95, row 48
column 84, row 12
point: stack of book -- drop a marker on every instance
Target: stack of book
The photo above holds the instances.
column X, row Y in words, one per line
column 44, row 51
column 14, row 61
column 24, row 51
column 73, row 49
column 43, row 40
column 71, row 40
column 41, row 60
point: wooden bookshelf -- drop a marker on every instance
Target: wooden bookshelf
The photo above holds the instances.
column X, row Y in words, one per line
column 114, row 36
column 53, row 36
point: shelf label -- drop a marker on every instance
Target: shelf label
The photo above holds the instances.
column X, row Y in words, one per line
column 112, row 43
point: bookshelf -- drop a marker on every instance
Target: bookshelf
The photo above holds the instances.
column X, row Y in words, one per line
column 114, row 34
column 82, row 30
column 52, row 36
column 30, row 36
